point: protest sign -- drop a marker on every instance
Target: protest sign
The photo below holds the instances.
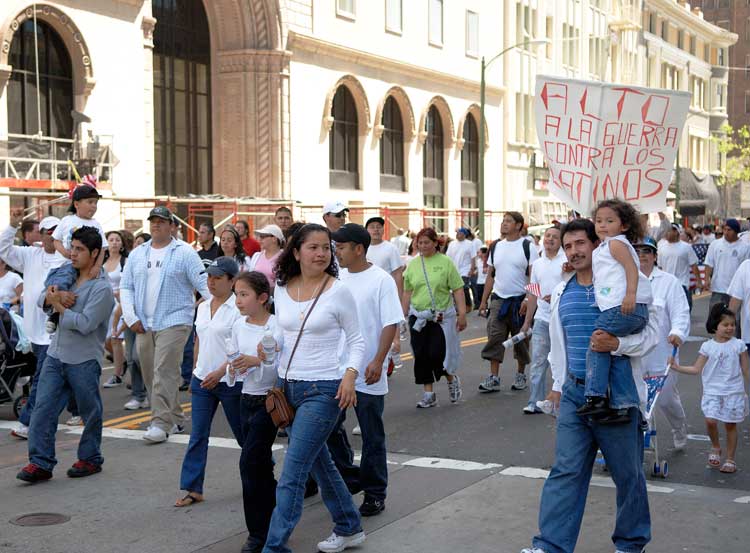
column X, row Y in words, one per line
column 608, row 141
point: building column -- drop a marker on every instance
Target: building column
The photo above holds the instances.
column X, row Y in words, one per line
column 147, row 26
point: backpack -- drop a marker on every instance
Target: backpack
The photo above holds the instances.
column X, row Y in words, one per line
column 526, row 252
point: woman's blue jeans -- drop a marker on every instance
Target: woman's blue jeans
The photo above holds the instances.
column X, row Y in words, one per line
column 316, row 413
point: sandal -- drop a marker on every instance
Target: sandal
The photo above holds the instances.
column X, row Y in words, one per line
column 714, row 458
column 188, row 500
column 729, row 467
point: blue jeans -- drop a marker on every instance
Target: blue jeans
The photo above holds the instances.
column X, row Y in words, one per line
column 57, row 384
column 540, row 346
column 604, row 370
column 564, row 494
column 64, row 277
column 204, row 403
column 40, row 352
column 188, row 354
column 317, row 412
column 372, row 474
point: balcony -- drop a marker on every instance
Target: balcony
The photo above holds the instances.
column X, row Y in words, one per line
column 626, row 14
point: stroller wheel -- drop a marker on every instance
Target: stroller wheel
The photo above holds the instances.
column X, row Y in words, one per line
column 18, row 405
column 664, row 469
column 656, row 470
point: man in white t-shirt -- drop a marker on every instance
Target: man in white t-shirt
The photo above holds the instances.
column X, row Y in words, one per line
column 384, row 254
column 547, row 272
column 739, row 293
column 379, row 312
column 401, row 241
column 463, row 253
column 723, row 258
column 513, row 256
column 678, row 258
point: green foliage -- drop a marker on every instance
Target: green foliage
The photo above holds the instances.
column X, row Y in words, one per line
column 735, row 144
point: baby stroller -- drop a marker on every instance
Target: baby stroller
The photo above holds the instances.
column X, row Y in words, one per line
column 655, row 385
column 14, row 363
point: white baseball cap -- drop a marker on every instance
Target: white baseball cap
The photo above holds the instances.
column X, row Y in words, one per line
column 49, row 223
column 335, row 207
column 272, row 230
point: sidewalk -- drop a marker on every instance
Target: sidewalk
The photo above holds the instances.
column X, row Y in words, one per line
column 471, row 507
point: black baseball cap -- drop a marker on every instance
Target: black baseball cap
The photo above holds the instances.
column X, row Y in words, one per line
column 223, row 265
column 161, row 212
column 352, row 232
column 374, row 220
column 84, row 192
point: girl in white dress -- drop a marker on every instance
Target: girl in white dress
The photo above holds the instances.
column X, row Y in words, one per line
column 723, row 364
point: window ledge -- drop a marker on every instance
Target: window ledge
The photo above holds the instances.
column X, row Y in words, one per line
column 342, row 14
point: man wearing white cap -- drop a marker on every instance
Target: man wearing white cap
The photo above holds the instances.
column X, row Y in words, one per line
column 35, row 263
column 334, row 215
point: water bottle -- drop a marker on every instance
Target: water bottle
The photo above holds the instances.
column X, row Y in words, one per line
column 268, row 343
column 403, row 331
column 232, row 356
column 396, row 358
column 513, row 340
column 547, row 407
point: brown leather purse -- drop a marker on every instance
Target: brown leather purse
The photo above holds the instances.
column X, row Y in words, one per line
column 277, row 405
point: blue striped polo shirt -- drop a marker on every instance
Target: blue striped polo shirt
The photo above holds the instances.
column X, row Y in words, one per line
column 578, row 313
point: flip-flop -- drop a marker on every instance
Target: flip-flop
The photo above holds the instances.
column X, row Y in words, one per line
column 714, row 458
column 187, row 501
column 729, row 467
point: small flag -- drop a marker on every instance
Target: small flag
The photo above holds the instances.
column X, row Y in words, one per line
column 534, row 289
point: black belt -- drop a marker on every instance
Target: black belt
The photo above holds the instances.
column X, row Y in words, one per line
column 576, row 380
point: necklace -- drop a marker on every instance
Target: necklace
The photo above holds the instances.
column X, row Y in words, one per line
column 589, row 291
column 302, row 310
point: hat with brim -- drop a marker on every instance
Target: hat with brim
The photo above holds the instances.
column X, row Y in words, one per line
column 48, row 223
column 374, row 220
column 84, row 192
column 160, row 212
column 352, row 232
column 223, row 265
column 271, row 230
column 647, row 242
column 335, row 207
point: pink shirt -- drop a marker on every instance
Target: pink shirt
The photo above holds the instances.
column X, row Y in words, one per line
column 266, row 266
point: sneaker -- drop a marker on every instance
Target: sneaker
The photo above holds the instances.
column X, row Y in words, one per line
column 594, row 406
column 371, row 507
column 454, row 389
column 428, row 400
column 533, row 550
column 335, row 543
column 680, row 438
column 20, row 431
column 520, row 382
column 83, row 468
column 177, row 429
column 74, row 421
column 32, row 474
column 252, row 546
column 134, row 404
column 185, row 386
column 113, row 382
column 490, row 384
column 50, row 327
column 155, row 435
column 357, row 431
column 531, row 410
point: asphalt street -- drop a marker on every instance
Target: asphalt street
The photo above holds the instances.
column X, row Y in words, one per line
column 472, row 470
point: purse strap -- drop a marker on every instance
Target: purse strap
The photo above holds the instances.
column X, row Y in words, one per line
column 427, row 282
column 301, row 328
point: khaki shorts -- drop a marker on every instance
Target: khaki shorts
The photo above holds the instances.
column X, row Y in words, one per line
column 500, row 330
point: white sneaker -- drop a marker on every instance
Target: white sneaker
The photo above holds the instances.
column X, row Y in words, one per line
column 155, row 435
column 357, row 431
column 454, row 389
column 490, row 384
column 335, row 543
column 428, row 400
column 533, row 550
column 680, row 439
column 74, row 421
column 177, row 429
column 113, row 382
column 520, row 383
column 20, row 431
column 134, row 404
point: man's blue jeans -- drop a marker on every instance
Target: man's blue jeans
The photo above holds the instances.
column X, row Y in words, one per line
column 204, row 404
column 317, row 411
column 59, row 382
column 540, row 346
column 40, row 352
column 604, row 370
column 564, row 495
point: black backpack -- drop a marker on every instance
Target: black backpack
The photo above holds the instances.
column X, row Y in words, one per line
column 526, row 252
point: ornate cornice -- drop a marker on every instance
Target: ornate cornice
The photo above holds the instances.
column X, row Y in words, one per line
column 253, row 61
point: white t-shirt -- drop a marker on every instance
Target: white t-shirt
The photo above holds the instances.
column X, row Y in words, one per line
column 610, row 284
column 376, row 309
column 212, row 336
column 462, row 252
column 722, row 374
column 482, row 271
column 739, row 288
column 8, row 283
column 677, row 258
column 707, row 238
column 71, row 223
column 246, row 337
column 153, row 276
column 385, row 255
column 548, row 274
column 725, row 259
column 510, row 262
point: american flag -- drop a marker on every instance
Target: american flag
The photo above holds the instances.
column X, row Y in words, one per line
column 534, row 289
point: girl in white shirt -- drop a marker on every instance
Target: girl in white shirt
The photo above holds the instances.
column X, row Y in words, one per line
column 314, row 386
column 724, row 365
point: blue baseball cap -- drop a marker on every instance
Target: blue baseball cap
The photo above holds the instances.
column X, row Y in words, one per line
column 647, row 242
column 733, row 224
column 223, row 265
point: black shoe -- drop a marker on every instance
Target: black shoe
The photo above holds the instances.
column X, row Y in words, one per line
column 83, row 468
column 615, row 416
column 371, row 507
column 594, row 406
column 32, row 474
column 252, row 546
column 184, row 386
column 311, row 488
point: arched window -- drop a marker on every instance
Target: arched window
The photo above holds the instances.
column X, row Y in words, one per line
column 54, row 99
column 470, row 170
column 432, row 163
column 343, row 141
column 392, row 148
column 182, row 98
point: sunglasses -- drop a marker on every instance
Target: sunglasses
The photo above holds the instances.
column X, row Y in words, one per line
column 339, row 215
column 49, row 231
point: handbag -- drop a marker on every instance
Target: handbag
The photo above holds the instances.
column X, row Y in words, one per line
column 277, row 405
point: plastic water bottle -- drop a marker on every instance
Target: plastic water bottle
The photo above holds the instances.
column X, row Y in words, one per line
column 232, row 356
column 396, row 358
column 403, row 331
column 513, row 340
column 547, row 407
column 268, row 343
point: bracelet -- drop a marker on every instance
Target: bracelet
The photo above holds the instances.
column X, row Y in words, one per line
column 352, row 369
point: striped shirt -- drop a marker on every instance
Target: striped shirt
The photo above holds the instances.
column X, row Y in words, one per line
column 578, row 314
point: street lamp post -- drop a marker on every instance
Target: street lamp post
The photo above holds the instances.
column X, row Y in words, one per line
column 482, row 137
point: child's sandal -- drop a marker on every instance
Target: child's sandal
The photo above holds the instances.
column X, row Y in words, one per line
column 714, row 458
column 729, row 467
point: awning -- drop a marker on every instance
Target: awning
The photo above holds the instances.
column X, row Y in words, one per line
column 698, row 196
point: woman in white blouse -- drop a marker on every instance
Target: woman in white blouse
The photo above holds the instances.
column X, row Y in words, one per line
column 314, row 385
